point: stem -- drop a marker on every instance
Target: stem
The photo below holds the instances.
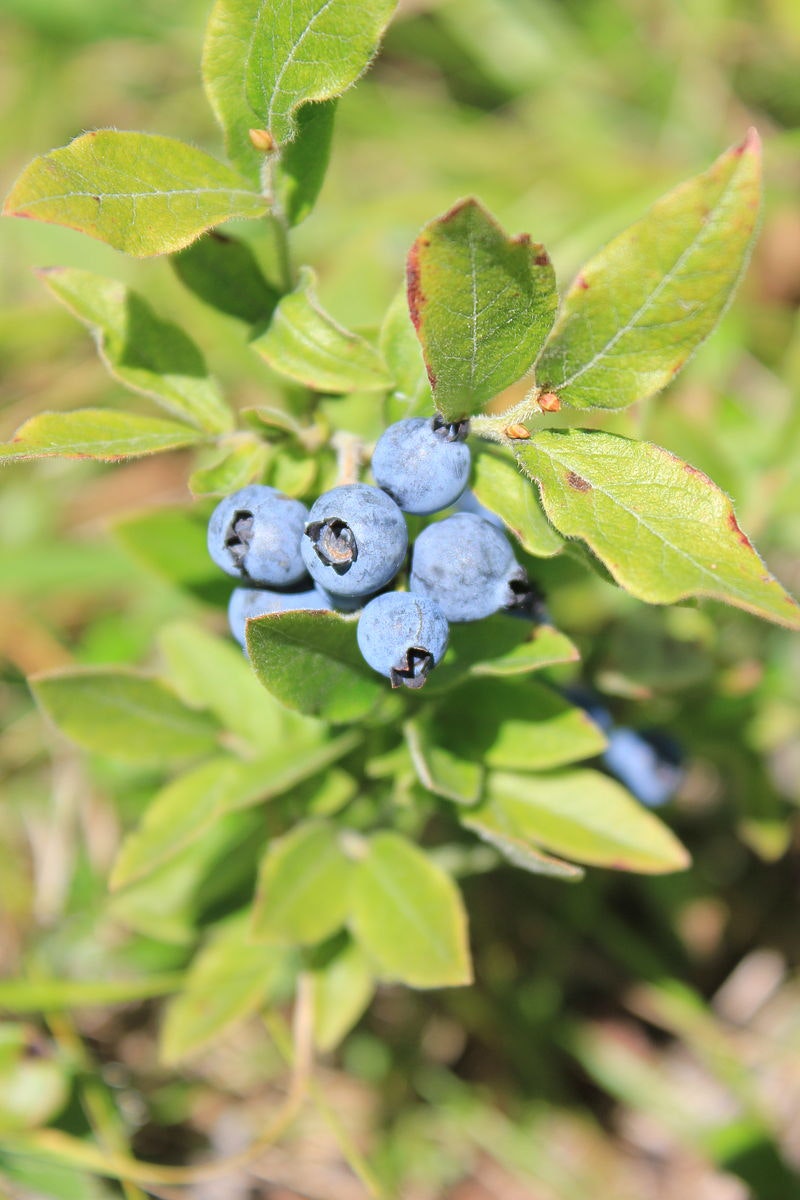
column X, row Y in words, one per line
column 351, row 1154
column 121, row 1166
column 280, row 225
column 349, row 448
column 492, row 428
column 285, row 271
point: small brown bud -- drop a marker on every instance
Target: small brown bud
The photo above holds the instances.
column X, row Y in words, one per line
column 549, row 402
column 517, row 432
column 262, row 139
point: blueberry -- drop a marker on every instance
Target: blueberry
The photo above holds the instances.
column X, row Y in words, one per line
column 256, row 602
column 468, row 567
column 423, row 464
column 255, row 535
column 355, row 540
column 652, row 776
column 402, row 636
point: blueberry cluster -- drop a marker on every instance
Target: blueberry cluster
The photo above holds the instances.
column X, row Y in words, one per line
column 348, row 549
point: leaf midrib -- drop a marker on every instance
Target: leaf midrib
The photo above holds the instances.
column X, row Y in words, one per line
column 659, row 537
column 605, row 350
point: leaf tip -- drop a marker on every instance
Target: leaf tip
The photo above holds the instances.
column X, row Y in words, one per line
column 750, row 145
column 460, row 206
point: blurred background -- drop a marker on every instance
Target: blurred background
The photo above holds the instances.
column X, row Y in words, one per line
column 634, row 1037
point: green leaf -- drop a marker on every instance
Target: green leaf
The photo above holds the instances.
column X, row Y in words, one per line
column 501, row 487
column 664, row 529
column 643, row 305
column 482, row 304
column 224, row 273
column 327, row 794
column 182, row 811
column 52, row 995
column 307, row 345
column 544, row 647
column 171, row 902
column 97, row 433
column 492, row 826
column 123, row 715
column 411, row 395
column 261, row 63
column 584, row 815
column 341, row 988
column 438, row 768
column 499, row 645
column 172, row 542
column 514, row 724
column 407, row 914
column 293, row 471
column 211, row 672
column 141, row 193
column 141, row 350
column 311, row 662
column 299, row 171
column 242, row 460
column 229, row 979
column 303, row 886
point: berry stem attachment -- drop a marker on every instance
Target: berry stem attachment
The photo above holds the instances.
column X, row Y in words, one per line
column 413, row 670
column 334, row 543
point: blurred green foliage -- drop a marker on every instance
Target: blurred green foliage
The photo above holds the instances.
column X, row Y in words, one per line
column 642, row 1031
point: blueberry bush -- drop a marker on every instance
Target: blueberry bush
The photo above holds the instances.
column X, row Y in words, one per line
column 410, row 711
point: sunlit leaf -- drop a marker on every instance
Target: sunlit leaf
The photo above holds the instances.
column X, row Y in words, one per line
column 643, row 305
column 305, row 343
column 438, row 768
column 303, row 886
column 342, row 986
column 239, row 462
column 482, row 304
column 262, row 62
column 500, row 486
column 139, row 192
column 230, row 978
column 98, row 433
column 407, row 914
column 582, row 815
column 664, row 529
column 124, row 715
column 492, row 826
column 514, row 724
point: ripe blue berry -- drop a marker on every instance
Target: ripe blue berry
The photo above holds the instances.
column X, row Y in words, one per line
column 467, row 566
column 402, row 636
column 423, row 464
column 355, row 540
column 256, row 602
column 255, row 535
column 648, row 764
